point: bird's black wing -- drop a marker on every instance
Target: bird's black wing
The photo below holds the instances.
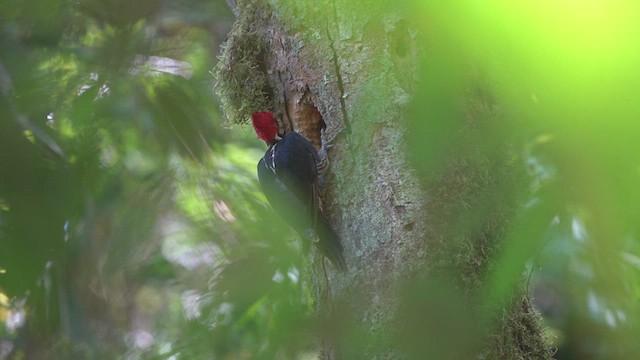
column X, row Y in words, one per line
column 282, row 199
column 302, row 155
column 288, row 174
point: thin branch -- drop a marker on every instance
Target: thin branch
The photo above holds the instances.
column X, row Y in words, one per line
column 233, row 7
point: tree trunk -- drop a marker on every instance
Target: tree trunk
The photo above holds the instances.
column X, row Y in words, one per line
column 349, row 68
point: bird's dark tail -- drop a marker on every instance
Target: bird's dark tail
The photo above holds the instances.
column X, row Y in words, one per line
column 330, row 243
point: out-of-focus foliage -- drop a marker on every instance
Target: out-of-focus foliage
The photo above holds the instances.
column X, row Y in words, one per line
column 131, row 223
column 556, row 83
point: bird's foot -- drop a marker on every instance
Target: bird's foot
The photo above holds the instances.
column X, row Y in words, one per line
column 323, row 164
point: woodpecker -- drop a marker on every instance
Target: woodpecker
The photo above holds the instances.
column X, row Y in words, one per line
column 288, row 175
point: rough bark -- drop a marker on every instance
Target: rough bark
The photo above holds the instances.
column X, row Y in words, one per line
column 343, row 65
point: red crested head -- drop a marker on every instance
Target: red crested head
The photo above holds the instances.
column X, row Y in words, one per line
column 265, row 125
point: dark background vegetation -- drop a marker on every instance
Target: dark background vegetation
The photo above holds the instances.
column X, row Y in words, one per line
column 132, row 226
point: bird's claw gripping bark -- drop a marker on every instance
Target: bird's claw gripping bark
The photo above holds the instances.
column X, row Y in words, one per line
column 328, row 143
column 323, row 164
